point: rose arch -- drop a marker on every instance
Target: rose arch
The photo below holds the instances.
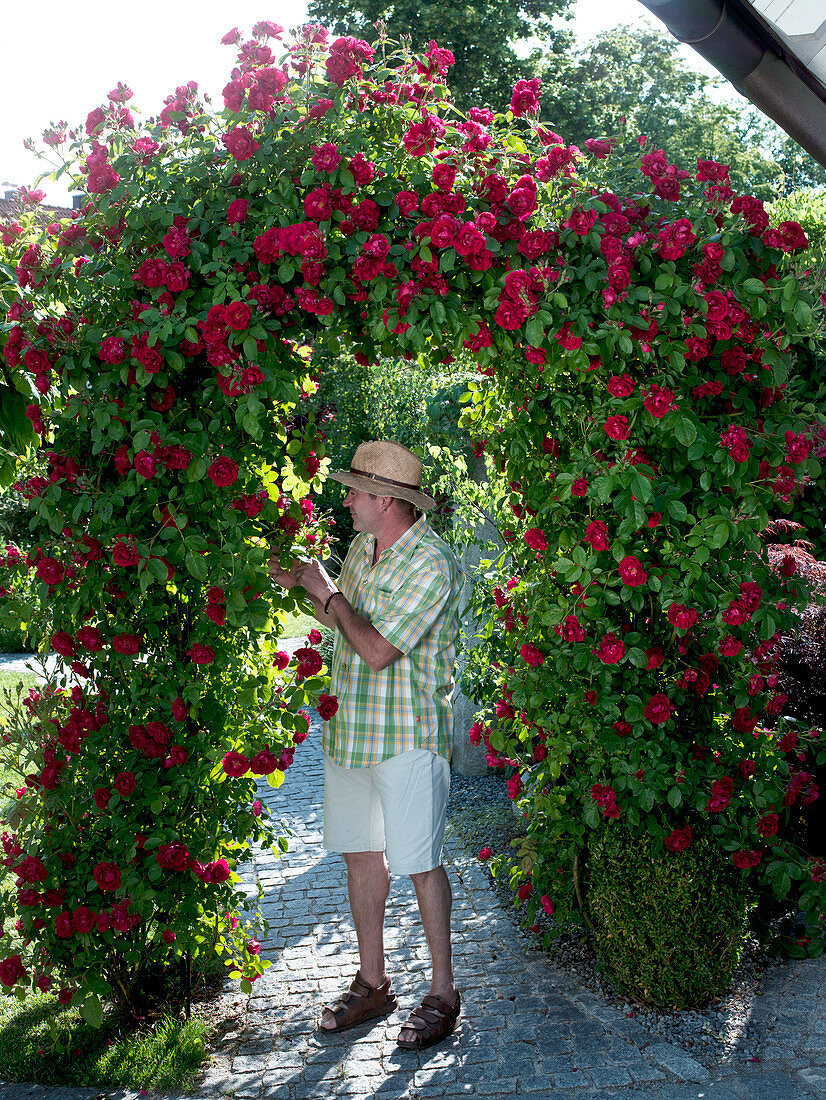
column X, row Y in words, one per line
column 644, row 354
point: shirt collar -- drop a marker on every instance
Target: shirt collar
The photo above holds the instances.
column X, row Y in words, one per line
column 410, row 537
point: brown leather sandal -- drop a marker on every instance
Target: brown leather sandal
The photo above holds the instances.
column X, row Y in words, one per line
column 432, row 1021
column 360, row 1002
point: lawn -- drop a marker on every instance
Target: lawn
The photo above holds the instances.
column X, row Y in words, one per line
column 298, row 625
column 47, row 1046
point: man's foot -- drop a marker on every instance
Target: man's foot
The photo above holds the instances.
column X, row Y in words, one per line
column 432, row 1021
column 360, row 1002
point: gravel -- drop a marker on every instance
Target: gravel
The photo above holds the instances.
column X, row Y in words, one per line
column 481, row 814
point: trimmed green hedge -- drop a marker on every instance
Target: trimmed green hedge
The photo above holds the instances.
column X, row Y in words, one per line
column 669, row 926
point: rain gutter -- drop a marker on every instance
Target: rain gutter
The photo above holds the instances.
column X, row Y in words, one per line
column 732, row 37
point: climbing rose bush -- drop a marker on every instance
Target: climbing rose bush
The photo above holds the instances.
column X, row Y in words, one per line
column 163, row 341
column 641, row 448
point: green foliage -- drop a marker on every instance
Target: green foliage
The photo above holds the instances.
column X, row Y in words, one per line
column 43, row 1044
column 807, row 207
column 632, row 81
column 669, row 926
column 483, row 35
column 298, row 625
column 414, row 402
column 603, row 701
column 17, row 436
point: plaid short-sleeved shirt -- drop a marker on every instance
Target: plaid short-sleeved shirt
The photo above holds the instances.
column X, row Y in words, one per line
column 411, row 596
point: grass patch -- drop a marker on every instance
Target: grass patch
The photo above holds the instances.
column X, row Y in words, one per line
column 10, row 680
column 48, row 1045
column 299, row 625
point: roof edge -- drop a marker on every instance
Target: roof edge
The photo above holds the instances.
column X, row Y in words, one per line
column 744, row 50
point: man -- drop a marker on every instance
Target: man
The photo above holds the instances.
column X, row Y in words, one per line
column 386, row 772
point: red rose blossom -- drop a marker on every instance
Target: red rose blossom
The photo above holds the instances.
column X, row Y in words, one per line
column 536, row 539
column 531, row 655
column 681, row 616
column 745, row 860
column 107, row 876
column 125, row 784
column 617, row 427
column 632, row 571
column 326, row 706
column 201, row 654
column 240, row 143
column 611, row 649
column 658, row 709
column 223, row 472
column 235, row 764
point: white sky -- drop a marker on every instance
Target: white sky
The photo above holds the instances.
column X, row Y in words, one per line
column 59, row 61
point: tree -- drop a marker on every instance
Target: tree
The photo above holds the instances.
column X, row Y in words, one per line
column 632, row 81
column 800, row 170
column 482, row 34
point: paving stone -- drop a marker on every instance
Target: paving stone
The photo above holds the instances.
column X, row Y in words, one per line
column 643, row 1071
column 772, row 1086
column 712, row 1090
column 280, row 1075
column 586, row 1056
column 248, row 1085
column 609, row 1076
column 574, row 1079
column 675, row 1059
column 814, row 1079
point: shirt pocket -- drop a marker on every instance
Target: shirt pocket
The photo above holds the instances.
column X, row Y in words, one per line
column 381, row 598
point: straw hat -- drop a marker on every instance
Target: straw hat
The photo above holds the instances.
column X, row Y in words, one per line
column 386, row 469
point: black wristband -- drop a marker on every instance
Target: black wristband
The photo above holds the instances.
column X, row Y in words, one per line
column 327, row 604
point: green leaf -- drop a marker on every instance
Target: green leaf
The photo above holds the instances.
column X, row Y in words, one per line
column 675, row 797
column 16, row 426
column 719, row 533
column 781, row 885
column 196, row 470
column 802, row 314
column 196, row 566
column 92, row 1010
column 157, row 569
column 685, row 431
column 641, row 488
column 535, row 332
column 754, row 286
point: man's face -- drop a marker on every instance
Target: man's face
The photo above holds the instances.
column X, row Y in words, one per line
column 364, row 511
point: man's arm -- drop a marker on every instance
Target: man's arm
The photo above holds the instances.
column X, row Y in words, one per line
column 373, row 649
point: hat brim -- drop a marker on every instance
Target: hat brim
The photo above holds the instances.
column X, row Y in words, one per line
column 382, row 489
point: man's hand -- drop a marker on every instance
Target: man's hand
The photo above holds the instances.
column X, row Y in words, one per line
column 375, row 650
column 287, row 578
column 315, row 580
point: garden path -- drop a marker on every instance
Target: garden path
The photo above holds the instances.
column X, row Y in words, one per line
column 525, row 1029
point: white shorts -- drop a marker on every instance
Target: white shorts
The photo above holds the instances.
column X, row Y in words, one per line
column 397, row 806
